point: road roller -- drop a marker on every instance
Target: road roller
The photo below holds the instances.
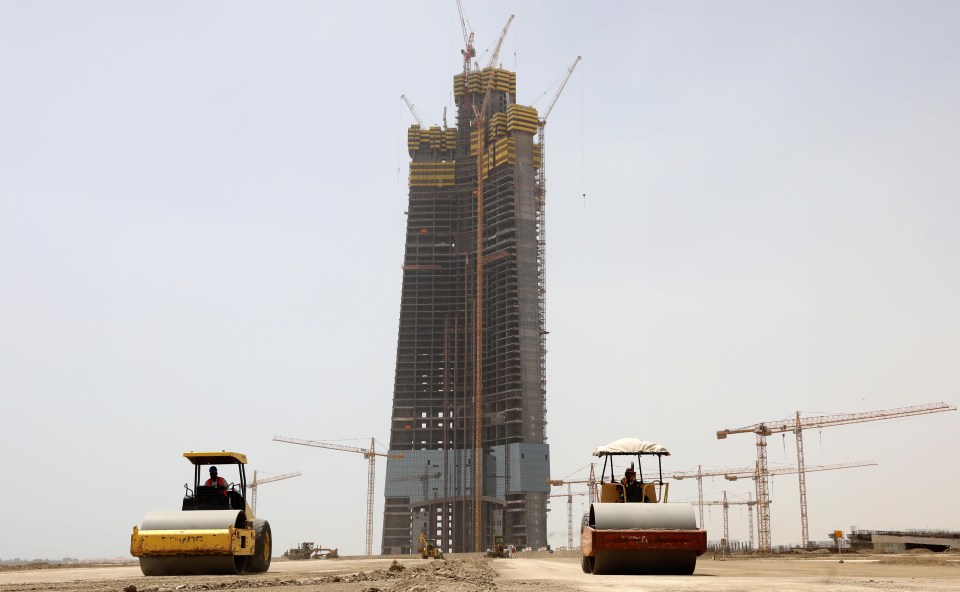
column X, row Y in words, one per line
column 633, row 529
column 214, row 533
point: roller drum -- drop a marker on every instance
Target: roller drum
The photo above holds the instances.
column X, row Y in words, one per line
column 170, row 565
column 195, row 520
column 642, row 516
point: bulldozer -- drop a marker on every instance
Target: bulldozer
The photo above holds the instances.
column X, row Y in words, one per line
column 633, row 529
column 214, row 533
column 304, row 551
column 428, row 548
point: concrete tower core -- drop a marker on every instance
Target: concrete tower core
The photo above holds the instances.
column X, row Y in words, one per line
column 431, row 489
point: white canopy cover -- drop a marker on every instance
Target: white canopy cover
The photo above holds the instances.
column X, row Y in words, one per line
column 631, row 446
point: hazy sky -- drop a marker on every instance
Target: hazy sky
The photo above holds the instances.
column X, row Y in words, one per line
column 201, row 234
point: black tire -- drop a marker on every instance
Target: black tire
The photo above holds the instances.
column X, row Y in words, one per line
column 259, row 562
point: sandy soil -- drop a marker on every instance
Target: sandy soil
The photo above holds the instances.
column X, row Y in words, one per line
column 476, row 574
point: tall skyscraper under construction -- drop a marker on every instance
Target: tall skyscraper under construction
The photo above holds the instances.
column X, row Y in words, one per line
column 434, row 423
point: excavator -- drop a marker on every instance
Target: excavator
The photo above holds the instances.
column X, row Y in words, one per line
column 633, row 529
column 428, row 548
column 214, row 533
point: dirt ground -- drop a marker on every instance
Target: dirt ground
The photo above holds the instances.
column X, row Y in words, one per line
column 927, row 573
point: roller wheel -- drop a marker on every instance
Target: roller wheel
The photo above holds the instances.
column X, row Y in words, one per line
column 259, row 562
column 586, row 564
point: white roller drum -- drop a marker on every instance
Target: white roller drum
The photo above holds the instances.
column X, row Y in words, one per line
column 194, row 520
column 642, row 516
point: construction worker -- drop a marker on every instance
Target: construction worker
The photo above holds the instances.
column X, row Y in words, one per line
column 215, row 481
column 631, row 490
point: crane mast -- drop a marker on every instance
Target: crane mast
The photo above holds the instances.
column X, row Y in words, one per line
column 750, row 503
column 796, row 425
column 569, row 495
column 591, row 493
column 540, row 202
column 368, row 453
column 726, row 528
column 479, row 121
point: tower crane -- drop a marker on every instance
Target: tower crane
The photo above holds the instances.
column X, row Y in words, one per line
column 726, row 524
column 416, row 114
column 540, row 203
column 257, row 482
column 479, row 121
column 569, row 495
column 591, row 493
column 752, row 473
column 370, row 454
column 796, row 425
column 468, row 50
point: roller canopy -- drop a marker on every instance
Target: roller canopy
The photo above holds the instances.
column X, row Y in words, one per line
column 215, row 458
column 631, row 446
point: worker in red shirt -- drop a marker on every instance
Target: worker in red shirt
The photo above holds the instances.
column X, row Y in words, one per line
column 215, row 481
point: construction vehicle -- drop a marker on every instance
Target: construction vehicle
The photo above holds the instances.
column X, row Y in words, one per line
column 303, row 551
column 321, row 553
column 500, row 549
column 310, row 551
column 214, row 533
column 633, row 529
column 428, row 548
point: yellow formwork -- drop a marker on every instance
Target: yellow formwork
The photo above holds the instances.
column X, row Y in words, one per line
column 413, row 137
column 503, row 80
column 502, row 146
column 520, row 118
column 517, row 118
column 497, row 125
column 506, row 150
column 433, row 138
column 431, row 174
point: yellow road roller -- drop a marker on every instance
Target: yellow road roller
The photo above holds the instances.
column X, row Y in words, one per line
column 214, row 533
column 633, row 529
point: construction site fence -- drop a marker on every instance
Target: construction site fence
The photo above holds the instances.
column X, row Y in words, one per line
column 940, row 534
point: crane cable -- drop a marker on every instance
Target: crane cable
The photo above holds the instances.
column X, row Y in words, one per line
column 583, row 142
